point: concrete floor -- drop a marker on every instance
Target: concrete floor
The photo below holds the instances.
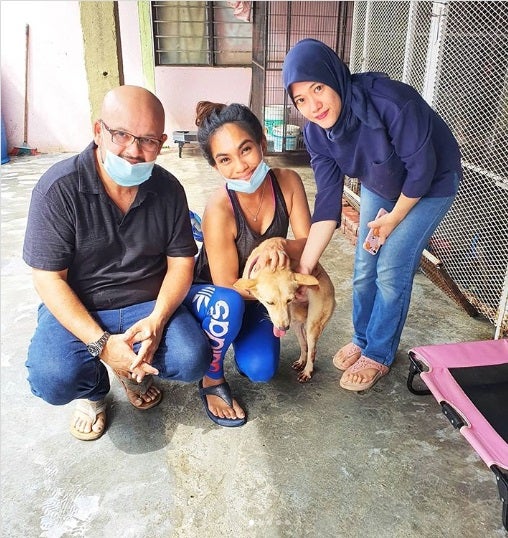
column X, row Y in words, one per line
column 312, row 461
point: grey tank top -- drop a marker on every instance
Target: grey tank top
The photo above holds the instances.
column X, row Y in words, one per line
column 247, row 239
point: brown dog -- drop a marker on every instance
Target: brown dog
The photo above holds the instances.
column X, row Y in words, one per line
column 276, row 290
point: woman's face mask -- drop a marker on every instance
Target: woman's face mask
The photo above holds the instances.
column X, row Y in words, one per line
column 248, row 187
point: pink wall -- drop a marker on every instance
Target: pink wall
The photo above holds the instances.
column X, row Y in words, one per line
column 181, row 88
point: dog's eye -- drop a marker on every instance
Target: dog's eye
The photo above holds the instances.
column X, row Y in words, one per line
column 271, row 303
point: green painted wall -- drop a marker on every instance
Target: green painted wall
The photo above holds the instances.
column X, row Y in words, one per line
column 147, row 48
column 101, row 39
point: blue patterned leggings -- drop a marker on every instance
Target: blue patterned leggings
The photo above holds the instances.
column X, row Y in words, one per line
column 227, row 319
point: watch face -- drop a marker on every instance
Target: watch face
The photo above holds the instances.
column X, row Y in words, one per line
column 93, row 349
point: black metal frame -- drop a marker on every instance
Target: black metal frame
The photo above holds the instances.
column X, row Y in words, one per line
column 184, row 137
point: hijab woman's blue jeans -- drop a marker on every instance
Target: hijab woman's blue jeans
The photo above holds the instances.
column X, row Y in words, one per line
column 382, row 283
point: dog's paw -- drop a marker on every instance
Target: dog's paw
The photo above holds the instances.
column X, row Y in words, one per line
column 304, row 376
column 298, row 365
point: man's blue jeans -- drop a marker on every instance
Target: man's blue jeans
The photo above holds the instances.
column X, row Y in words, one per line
column 60, row 368
column 382, row 284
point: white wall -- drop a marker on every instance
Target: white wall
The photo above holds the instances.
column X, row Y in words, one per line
column 58, row 109
column 131, row 43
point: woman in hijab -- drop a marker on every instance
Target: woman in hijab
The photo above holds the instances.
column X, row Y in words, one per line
column 382, row 132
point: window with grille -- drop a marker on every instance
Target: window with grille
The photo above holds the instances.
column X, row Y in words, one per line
column 201, row 33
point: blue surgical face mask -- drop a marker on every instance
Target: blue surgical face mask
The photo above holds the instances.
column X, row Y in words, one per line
column 124, row 173
column 240, row 185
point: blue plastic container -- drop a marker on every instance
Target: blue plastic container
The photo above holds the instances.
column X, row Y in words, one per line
column 196, row 226
column 5, row 152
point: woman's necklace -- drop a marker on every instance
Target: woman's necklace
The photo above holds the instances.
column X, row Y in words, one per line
column 255, row 215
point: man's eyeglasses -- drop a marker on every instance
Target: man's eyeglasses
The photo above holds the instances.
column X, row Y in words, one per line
column 122, row 138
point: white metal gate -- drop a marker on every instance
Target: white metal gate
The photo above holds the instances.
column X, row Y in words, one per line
column 455, row 53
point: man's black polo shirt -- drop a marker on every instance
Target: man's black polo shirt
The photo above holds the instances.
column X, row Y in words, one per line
column 113, row 260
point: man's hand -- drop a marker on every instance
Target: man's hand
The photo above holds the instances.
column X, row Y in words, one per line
column 147, row 333
column 118, row 353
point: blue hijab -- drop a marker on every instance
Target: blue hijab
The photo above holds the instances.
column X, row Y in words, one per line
column 313, row 61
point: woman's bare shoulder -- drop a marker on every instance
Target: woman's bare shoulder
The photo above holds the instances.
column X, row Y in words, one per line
column 218, row 207
column 287, row 177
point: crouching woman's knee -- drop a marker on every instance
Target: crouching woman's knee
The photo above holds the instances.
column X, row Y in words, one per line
column 259, row 368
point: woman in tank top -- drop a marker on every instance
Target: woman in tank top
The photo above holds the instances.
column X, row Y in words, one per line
column 256, row 203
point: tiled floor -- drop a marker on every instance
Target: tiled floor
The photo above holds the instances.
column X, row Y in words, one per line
column 313, row 460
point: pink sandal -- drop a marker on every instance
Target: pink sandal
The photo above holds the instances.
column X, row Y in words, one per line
column 346, row 356
column 362, row 364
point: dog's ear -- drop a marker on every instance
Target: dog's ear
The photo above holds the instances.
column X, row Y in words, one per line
column 245, row 284
column 306, row 280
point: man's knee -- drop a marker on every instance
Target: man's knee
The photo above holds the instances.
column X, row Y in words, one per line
column 59, row 381
column 193, row 362
column 54, row 386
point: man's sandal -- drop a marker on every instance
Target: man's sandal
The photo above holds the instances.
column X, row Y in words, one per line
column 223, row 391
column 139, row 389
column 362, row 364
column 91, row 410
column 347, row 356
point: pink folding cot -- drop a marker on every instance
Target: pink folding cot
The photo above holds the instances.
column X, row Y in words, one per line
column 470, row 382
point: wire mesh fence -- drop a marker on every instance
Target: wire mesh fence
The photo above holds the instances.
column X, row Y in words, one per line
column 456, row 54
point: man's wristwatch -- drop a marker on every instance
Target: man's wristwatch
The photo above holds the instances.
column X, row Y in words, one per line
column 95, row 348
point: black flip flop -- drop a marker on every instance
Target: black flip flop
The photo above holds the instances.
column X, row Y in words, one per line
column 223, row 391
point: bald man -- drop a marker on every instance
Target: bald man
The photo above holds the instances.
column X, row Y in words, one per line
column 110, row 244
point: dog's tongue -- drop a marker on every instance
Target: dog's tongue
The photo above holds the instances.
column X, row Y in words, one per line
column 278, row 332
